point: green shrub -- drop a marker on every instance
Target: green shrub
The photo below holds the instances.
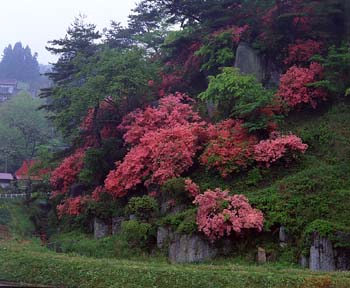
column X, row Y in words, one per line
column 182, row 222
column 5, row 216
column 174, row 188
column 137, row 234
column 144, row 208
column 254, row 176
column 217, row 52
column 240, row 96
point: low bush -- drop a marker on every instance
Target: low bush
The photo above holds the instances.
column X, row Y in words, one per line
column 144, row 208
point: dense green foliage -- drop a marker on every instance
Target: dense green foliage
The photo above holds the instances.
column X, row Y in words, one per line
column 22, row 130
column 239, row 96
column 144, row 208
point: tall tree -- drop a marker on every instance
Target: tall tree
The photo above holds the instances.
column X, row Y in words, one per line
column 22, row 130
column 19, row 63
column 77, row 45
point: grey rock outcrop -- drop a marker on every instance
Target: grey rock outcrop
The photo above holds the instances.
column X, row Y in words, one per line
column 117, row 224
column 190, row 248
column 283, row 236
column 164, row 236
column 249, row 62
column 322, row 257
column 100, row 228
column 261, row 255
column 304, row 261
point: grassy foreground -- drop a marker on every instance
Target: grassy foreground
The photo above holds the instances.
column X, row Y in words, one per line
column 23, row 259
column 28, row 262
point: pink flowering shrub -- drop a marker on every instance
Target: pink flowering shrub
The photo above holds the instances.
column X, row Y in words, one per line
column 159, row 156
column 164, row 142
column 96, row 194
column 66, row 173
column 301, row 51
column 294, row 89
column 72, row 206
column 171, row 112
column 271, row 150
column 97, row 119
column 230, row 148
column 192, row 188
column 220, row 214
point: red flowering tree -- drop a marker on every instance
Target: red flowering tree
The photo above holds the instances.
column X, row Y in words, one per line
column 171, row 112
column 72, row 206
column 230, row 148
column 30, row 169
column 220, row 214
column 98, row 123
column 66, row 173
column 277, row 147
column 192, row 188
column 301, row 51
column 178, row 73
column 295, row 86
column 165, row 141
column 160, row 155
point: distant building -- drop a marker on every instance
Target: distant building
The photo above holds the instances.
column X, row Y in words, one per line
column 5, row 180
column 8, row 87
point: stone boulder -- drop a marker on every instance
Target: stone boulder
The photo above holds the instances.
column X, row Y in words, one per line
column 117, row 224
column 283, row 236
column 100, row 228
column 322, row 257
column 249, row 62
column 190, row 248
column 164, row 237
column 304, row 261
column 261, row 258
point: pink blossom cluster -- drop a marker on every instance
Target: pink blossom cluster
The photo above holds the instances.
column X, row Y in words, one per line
column 170, row 112
column 236, row 32
column 271, row 150
column 230, row 148
column 160, row 156
column 72, row 206
column 220, row 214
column 165, row 141
column 301, row 51
column 96, row 194
column 66, row 173
column 192, row 187
column 294, row 87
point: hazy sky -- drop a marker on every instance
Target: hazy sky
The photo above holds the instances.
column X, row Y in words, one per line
column 37, row 21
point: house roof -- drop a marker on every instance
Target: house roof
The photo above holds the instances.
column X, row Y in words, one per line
column 6, row 176
column 11, row 82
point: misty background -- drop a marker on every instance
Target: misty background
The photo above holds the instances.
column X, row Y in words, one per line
column 36, row 22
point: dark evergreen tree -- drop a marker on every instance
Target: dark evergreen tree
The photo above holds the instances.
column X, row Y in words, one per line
column 77, row 45
column 19, row 63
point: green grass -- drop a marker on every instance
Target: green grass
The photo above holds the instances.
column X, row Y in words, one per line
column 14, row 214
column 29, row 262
